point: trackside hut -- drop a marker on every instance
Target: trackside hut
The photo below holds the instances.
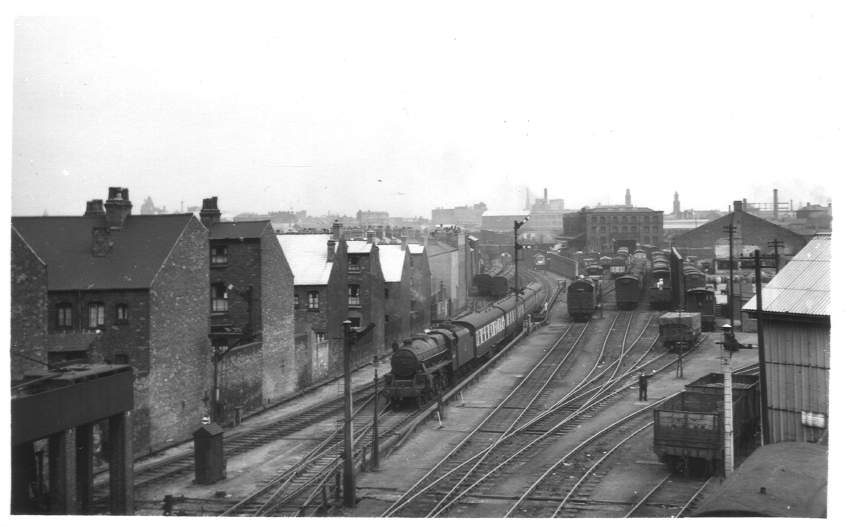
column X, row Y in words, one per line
column 796, row 324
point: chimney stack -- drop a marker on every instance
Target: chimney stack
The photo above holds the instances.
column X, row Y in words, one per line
column 118, row 207
column 403, row 242
column 370, row 236
column 775, row 203
column 101, row 241
column 210, row 215
column 744, row 204
column 737, row 206
column 94, row 208
column 336, row 230
column 331, row 249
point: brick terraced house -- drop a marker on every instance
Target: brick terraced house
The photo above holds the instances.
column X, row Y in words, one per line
column 251, row 315
column 131, row 290
column 319, row 265
column 398, row 278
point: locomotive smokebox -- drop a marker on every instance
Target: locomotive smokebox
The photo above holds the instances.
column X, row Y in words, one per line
column 404, row 364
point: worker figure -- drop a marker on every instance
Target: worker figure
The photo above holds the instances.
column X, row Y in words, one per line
column 643, row 381
column 729, row 341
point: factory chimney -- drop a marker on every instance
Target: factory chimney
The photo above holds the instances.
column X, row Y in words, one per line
column 775, row 203
column 628, row 198
column 546, row 197
column 677, row 208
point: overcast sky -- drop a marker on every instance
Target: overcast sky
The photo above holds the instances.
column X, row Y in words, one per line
column 339, row 108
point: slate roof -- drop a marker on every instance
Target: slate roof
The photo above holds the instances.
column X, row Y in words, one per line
column 802, row 286
column 392, row 262
column 231, row 230
column 307, row 255
column 65, row 242
column 793, row 474
column 359, row 247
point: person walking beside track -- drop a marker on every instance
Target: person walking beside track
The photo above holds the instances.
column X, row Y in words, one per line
column 643, row 381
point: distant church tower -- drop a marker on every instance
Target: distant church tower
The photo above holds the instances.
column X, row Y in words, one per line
column 628, row 198
column 677, row 211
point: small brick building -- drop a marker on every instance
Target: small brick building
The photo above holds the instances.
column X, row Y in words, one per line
column 136, row 289
column 367, row 299
column 251, row 315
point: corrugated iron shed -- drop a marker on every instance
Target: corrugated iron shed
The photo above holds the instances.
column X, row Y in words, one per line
column 802, row 286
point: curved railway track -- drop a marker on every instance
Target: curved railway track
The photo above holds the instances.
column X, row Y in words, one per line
column 489, row 448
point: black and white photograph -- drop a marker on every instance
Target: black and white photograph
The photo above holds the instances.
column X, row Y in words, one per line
column 457, row 260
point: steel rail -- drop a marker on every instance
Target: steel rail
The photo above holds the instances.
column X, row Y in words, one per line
column 646, row 496
column 693, row 498
column 410, row 494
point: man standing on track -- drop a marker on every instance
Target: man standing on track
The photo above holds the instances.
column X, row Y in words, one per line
column 643, row 381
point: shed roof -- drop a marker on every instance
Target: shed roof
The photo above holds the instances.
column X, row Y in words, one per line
column 230, row 230
column 307, row 255
column 392, row 262
column 802, row 286
column 793, row 474
column 65, row 244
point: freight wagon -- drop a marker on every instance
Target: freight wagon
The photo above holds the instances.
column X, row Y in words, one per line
column 688, row 429
column 679, row 330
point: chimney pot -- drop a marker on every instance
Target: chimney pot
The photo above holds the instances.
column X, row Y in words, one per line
column 95, row 208
column 336, row 230
column 210, row 214
column 118, row 207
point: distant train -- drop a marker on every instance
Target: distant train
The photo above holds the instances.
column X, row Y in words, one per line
column 428, row 363
column 583, row 297
column 660, row 290
column 540, row 261
column 679, row 330
column 703, row 301
column 629, row 287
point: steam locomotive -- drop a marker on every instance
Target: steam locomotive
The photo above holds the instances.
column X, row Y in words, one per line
column 428, row 363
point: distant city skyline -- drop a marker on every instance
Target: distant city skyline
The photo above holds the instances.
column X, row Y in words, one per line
column 405, row 110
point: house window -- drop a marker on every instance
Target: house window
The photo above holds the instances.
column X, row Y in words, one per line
column 353, row 264
column 353, row 295
column 297, row 302
column 122, row 314
column 218, row 255
column 96, row 315
column 218, row 296
column 321, row 337
column 355, row 322
column 64, row 315
column 386, row 318
column 386, row 292
column 313, row 300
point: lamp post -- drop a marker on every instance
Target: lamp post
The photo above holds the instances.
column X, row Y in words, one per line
column 349, row 498
column 517, row 225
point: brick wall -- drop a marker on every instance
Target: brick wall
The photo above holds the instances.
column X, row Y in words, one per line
column 277, row 317
column 28, row 326
column 372, row 310
column 420, row 293
column 241, row 380
column 181, row 368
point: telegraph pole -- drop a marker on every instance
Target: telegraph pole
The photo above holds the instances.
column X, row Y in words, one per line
column 349, row 497
column 730, row 288
column 375, row 462
column 776, row 245
column 728, row 421
column 517, row 225
column 765, row 433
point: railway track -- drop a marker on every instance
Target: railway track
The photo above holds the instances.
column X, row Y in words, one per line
column 489, row 448
column 179, row 466
column 672, row 497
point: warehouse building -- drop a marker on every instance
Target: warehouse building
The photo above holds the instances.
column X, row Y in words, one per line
column 796, row 324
